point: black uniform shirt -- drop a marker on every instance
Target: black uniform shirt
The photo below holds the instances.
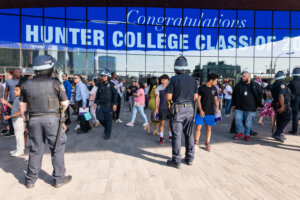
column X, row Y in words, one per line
column 107, row 92
column 278, row 88
column 58, row 88
column 294, row 86
column 183, row 87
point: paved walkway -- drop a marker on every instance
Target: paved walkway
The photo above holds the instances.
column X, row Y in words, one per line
column 132, row 165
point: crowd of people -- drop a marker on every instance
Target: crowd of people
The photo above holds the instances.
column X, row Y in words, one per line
column 30, row 108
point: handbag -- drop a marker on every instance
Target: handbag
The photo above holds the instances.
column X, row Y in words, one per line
column 87, row 116
column 153, row 118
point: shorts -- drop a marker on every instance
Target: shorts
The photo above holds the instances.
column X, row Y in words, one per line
column 208, row 119
column 164, row 114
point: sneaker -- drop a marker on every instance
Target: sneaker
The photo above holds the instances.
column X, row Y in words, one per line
column 247, row 138
column 77, row 128
column 170, row 138
column 145, row 124
column 130, row 124
column 119, row 121
column 161, row 140
column 4, row 131
column 171, row 163
column 65, row 181
column 17, row 153
column 237, row 136
column 12, row 152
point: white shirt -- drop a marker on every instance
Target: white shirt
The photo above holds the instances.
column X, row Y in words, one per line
column 228, row 88
column 159, row 88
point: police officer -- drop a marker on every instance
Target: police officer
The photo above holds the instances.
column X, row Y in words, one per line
column 41, row 97
column 182, row 91
column 294, row 86
column 106, row 102
column 281, row 102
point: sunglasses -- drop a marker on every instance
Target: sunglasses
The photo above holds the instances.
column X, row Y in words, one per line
column 75, row 78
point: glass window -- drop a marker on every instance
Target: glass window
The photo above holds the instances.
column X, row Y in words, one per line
column 174, row 41
column 76, row 13
column 32, row 11
column 10, row 35
column 32, row 33
column 281, row 45
column 136, row 63
column 154, row 63
column 9, row 57
column 263, row 65
column 78, row 36
column 97, row 35
column 263, row 19
column 135, row 39
column 59, row 56
column 136, row 15
column 54, row 34
column 115, row 62
column 294, row 62
column 192, row 17
column 244, row 64
column 28, row 56
column 295, row 17
column 57, row 12
column 245, row 19
column 281, row 19
column 208, row 65
column 209, row 42
column 76, row 62
column 100, row 61
column 116, row 38
column 90, row 63
column 117, row 14
column 155, row 40
column 281, row 64
column 193, row 63
column 169, row 63
column 209, row 18
column 155, row 16
column 245, row 42
column 228, row 19
column 173, row 17
column 97, row 13
column 263, row 42
column 227, row 67
column 10, row 11
column 194, row 41
column 295, row 43
column 227, row 42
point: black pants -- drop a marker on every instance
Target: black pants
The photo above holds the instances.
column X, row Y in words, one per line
column 295, row 107
column 282, row 120
column 11, row 127
column 104, row 115
column 84, row 125
column 67, row 113
column 116, row 115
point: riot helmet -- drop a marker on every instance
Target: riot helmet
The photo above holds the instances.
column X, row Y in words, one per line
column 180, row 65
column 296, row 71
column 280, row 75
column 106, row 72
column 44, row 65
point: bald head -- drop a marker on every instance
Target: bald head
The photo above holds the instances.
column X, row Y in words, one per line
column 246, row 77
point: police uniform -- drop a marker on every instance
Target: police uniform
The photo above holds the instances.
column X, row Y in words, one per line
column 106, row 97
column 182, row 87
column 294, row 86
column 43, row 95
column 282, row 119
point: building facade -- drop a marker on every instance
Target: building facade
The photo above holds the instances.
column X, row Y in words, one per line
column 145, row 41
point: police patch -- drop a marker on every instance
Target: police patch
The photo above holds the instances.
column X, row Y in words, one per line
column 62, row 87
column 282, row 86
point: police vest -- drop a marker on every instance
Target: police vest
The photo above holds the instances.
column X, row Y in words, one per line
column 296, row 85
column 105, row 92
column 275, row 93
column 41, row 97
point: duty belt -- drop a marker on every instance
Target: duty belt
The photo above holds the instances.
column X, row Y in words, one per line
column 105, row 104
column 183, row 104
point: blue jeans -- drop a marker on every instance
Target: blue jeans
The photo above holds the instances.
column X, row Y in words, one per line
column 141, row 110
column 239, row 115
column 227, row 106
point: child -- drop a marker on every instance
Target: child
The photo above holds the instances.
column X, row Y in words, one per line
column 18, row 122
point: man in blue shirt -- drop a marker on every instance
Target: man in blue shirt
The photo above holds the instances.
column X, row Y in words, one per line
column 82, row 99
column 68, row 89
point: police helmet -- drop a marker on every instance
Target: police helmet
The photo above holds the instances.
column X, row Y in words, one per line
column 280, row 75
column 43, row 65
column 181, row 64
column 296, row 71
column 106, row 72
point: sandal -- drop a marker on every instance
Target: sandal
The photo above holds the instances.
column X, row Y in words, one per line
column 261, row 123
column 155, row 132
column 147, row 128
column 207, row 146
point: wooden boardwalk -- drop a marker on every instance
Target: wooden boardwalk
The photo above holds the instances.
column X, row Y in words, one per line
column 132, row 165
